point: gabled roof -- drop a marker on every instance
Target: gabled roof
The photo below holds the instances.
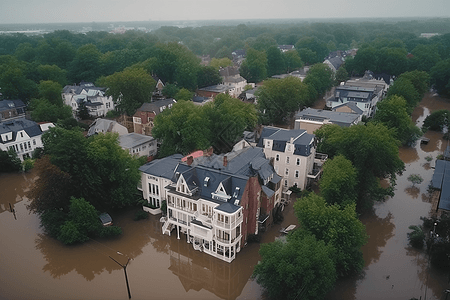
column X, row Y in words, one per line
column 14, row 126
column 133, row 139
column 162, row 167
column 298, row 137
column 11, row 104
column 341, row 118
column 336, row 62
column 105, row 125
column 155, row 106
column 229, row 71
column 352, row 105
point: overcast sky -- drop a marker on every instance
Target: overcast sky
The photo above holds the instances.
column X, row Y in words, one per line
column 46, row 11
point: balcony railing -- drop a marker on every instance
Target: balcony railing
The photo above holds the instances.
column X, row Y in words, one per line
column 229, row 225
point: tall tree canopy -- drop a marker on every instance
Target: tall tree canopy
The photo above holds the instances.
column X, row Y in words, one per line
column 392, row 112
column 280, row 98
column 373, row 151
column 129, row 89
column 336, row 226
column 301, row 268
column 254, row 67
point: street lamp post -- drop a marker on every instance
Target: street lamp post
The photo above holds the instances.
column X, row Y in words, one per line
column 125, row 271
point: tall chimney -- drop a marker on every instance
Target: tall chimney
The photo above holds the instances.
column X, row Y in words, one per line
column 190, row 160
column 225, row 161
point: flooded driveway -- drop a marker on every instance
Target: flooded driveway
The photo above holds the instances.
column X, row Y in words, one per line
column 34, row 266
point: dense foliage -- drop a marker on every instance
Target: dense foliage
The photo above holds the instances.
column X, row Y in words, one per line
column 373, row 151
column 187, row 127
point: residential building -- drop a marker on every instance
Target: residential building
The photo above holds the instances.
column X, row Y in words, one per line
column 145, row 115
column 232, row 78
column 285, row 48
column 312, row 119
column 217, row 201
column 214, row 90
column 363, row 92
column 86, row 93
column 12, row 109
column 301, row 73
column 334, row 63
column 441, row 183
column 294, row 155
column 22, row 135
column 138, row 144
column 104, row 126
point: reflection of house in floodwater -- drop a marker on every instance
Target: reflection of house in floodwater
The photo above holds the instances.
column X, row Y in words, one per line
column 197, row 271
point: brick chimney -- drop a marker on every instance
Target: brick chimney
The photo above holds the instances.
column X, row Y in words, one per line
column 225, row 161
column 190, row 160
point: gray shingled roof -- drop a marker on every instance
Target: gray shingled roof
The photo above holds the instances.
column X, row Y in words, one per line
column 352, row 105
column 162, row 167
column 16, row 125
column 441, row 180
column 155, row 106
column 131, row 140
column 341, row 118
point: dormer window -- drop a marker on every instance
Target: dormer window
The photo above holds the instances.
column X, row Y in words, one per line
column 206, row 181
column 236, row 192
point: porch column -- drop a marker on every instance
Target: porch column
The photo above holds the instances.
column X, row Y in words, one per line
column 187, row 236
column 178, row 231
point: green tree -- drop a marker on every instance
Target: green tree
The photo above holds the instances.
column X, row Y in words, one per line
column 184, row 94
column 336, row 226
column 275, row 61
column 53, row 73
column 51, row 91
column 403, row 87
column 86, row 64
column 437, row 120
column 415, row 179
column 182, row 129
column 341, row 75
column 42, row 110
column 318, row 48
column 280, row 98
column 292, row 60
column 339, row 181
column 440, row 77
column 9, row 162
column 254, row 67
column 170, row 90
column 392, row 112
column 424, row 57
column 320, row 77
column 300, row 268
column 373, row 151
column 419, row 79
column 228, row 118
column 130, row 88
column 416, row 237
column 208, row 76
column 14, row 81
column 218, row 63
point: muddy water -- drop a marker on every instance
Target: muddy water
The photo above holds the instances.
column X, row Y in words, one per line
column 34, row 266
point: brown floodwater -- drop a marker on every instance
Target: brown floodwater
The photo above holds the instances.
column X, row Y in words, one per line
column 34, row 266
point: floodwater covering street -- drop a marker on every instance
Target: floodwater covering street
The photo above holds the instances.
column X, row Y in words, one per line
column 34, row 266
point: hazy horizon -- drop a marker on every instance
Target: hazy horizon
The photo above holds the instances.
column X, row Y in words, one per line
column 86, row 11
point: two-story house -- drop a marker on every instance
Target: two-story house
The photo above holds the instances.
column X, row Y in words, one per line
column 216, row 201
column 232, row 79
column 87, row 94
column 145, row 115
column 312, row 119
column 294, row 155
column 22, row 135
column 12, row 109
column 138, row 144
column 364, row 92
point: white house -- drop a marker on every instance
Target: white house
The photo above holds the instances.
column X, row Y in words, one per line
column 232, row 79
column 294, row 155
column 215, row 201
column 138, row 144
column 104, row 126
column 94, row 98
column 22, row 135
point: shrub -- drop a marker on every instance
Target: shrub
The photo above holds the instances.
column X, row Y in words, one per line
column 415, row 179
column 140, row 215
column 436, row 120
column 416, row 237
column 429, row 158
column 27, row 165
column 110, row 231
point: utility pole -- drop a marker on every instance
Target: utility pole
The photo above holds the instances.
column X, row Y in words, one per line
column 125, row 271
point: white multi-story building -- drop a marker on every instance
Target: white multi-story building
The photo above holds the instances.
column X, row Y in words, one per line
column 216, row 201
column 22, row 135
column 294, row 155
column 138, row 144
column 94, row 98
